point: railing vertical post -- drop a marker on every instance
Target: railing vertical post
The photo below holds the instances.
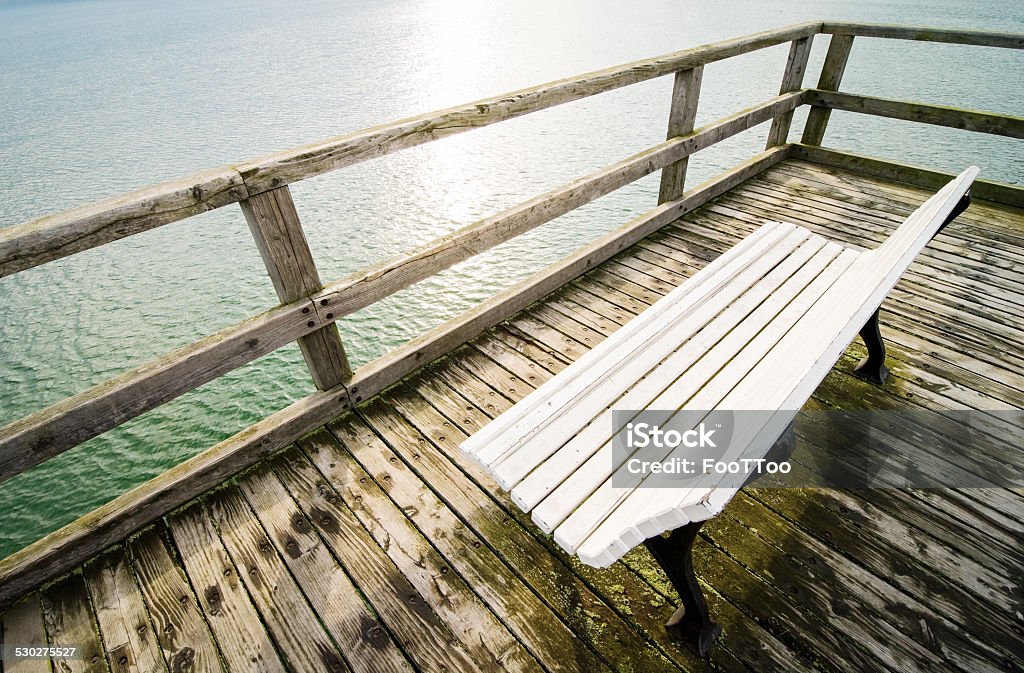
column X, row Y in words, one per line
column 792, row 79
column 275, row 226
column 831, row 76
column 685, row 95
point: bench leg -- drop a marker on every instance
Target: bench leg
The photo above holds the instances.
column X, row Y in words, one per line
column 961, row 205
column 872, row 368
column 691, row 622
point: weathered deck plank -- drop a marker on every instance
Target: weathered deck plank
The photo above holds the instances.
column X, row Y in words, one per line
column 244, row 643
column 360, row 636
column 22, row 625
column 423, row 635
column 277, row 596
column 374, row 544
column 471, row 622
column 122, row 618
column 70, row 621
column 181, row 629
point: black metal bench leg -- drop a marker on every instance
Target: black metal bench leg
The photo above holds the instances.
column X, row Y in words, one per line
column 691, row 622
column 872, row 368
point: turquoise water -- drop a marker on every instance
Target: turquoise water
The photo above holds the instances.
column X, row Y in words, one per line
column 101, row 97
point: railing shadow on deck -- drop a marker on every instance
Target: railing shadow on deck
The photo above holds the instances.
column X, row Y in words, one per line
column 310, row 309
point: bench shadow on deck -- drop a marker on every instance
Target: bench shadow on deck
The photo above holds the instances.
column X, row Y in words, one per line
column 373, row 545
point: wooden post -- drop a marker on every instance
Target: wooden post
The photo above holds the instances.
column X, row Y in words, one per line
column 831, row 75
column 275, row 226
column 685, row 94
column 792, row 79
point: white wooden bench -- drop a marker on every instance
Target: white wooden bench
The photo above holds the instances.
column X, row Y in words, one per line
column 757, row 329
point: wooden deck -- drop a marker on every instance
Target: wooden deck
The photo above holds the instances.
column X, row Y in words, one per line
column 373, row 545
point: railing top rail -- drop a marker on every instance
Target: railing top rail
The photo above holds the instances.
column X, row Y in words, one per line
column 303, row 162
column 983, row 38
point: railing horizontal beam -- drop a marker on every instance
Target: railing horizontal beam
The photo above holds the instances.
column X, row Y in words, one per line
column 982, row 38
column 61, row 426
column 938, row 115
column 370, row 285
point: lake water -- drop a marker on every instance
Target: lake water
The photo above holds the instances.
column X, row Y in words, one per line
column 99, row 97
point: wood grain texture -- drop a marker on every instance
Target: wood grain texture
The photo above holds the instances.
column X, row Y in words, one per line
column 360, row 634
column 291, row 165
column 427, row 640
column 23, row 246
column 459, row 585
column 243, row 642
column 50, row 431
column 108, row 524
column 792, row 79
column 70, row 622
column 181, row 630
column 980, row 38
column 121, row 615
column 681, row 116
column 365, row 287
column 275, row 226
column 988, row 190
column 831, row 76
column 22, row 624
column 938, row 115
column 288, row 617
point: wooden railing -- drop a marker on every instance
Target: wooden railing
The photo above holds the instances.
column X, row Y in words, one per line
column 309, row 310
